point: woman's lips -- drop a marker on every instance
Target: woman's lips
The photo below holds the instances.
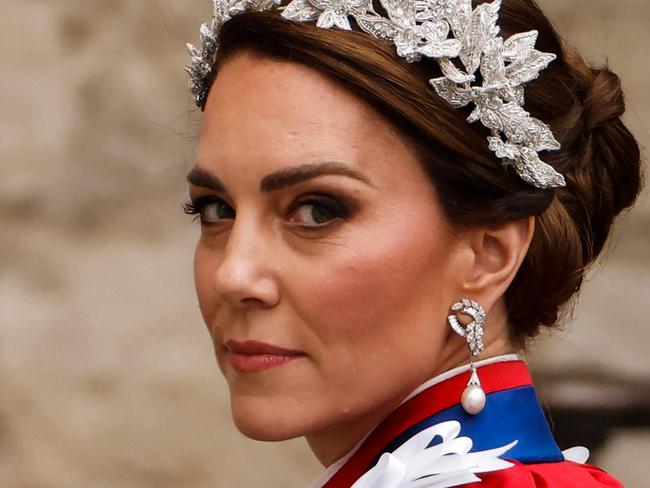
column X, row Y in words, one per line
column 251, row 356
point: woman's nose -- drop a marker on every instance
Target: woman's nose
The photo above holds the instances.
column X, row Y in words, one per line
column 244, row 275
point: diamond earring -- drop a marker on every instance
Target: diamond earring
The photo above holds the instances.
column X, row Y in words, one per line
column 473, row 399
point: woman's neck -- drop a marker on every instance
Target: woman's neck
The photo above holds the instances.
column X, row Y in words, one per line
column 336, row 441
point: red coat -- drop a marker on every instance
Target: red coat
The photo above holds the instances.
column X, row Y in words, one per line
column 564, row 474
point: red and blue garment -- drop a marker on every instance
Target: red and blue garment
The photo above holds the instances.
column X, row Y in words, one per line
column 512, row 412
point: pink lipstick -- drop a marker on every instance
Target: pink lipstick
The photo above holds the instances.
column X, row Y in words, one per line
column 251, row 356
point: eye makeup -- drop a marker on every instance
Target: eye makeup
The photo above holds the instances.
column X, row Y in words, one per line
column 320, row 208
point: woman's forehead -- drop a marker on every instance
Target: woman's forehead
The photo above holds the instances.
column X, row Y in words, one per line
column 267, row 95
column 278, row 114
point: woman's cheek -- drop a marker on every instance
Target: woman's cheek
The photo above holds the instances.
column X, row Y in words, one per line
column 346, row 306
column 372, row 302
column 203, row 281
column 362, row 282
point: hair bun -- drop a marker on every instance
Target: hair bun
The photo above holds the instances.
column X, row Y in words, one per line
column 604, row 101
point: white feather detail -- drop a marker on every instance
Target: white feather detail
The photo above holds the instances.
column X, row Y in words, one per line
column 446, row 464
column 576, row 454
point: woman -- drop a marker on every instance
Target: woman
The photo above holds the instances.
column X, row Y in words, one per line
column 394, row 196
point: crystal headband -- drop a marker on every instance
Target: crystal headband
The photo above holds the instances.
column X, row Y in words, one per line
column 443, row 30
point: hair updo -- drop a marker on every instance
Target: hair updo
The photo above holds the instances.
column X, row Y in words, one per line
column 599, row 157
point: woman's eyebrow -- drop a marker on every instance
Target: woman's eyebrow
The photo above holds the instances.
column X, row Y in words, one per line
column 279, row 179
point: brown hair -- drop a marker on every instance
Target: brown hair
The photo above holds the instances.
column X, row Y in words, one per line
column 599, row 157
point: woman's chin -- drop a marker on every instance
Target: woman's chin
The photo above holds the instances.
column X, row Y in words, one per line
column 266, row 433
column 264, row 422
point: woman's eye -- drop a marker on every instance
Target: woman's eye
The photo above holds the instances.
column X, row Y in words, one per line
column 308, row 213
column 317, row 212
column 210, row 210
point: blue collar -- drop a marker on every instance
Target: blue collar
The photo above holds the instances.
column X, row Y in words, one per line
column 508, row 415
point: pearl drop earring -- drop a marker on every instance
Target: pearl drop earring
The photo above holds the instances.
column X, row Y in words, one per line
column 473, row 398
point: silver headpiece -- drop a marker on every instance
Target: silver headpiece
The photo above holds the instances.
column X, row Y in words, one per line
column 445, row 30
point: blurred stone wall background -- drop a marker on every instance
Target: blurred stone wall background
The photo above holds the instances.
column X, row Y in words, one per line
column 107, row 376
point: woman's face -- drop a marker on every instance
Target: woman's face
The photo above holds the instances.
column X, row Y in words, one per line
column 320, row 237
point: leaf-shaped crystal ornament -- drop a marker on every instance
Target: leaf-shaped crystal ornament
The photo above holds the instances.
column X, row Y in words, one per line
column 336, row 12
column 463, row 40
column 472, row 332
column 301, row 11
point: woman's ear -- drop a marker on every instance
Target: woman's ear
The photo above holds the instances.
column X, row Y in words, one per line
column 497, row 253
